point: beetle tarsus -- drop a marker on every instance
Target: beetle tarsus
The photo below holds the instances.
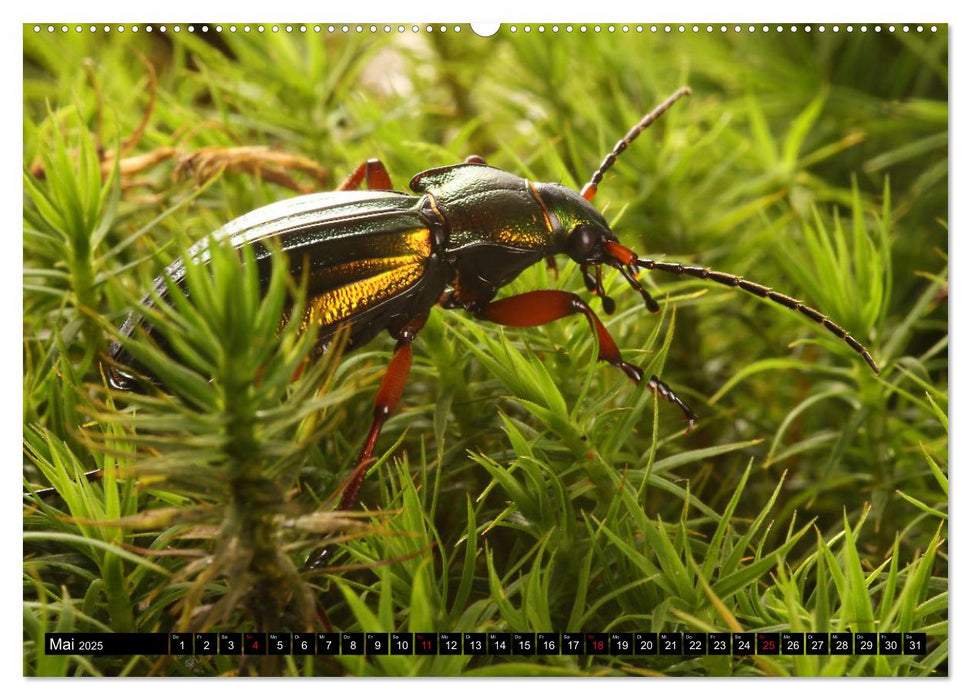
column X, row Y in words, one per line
column 636, row 375
column 665, row 392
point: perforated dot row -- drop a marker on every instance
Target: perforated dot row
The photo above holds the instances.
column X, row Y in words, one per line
column 247, row 28
column 428, row 28
column 723, row 28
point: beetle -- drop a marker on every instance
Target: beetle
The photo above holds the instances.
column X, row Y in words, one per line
column 379, row 260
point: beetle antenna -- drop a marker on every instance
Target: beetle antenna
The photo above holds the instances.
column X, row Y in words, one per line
column 759, row 290
column 590, row 189
column 625, row 256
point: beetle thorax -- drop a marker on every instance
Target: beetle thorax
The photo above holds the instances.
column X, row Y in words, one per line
column 496, row 226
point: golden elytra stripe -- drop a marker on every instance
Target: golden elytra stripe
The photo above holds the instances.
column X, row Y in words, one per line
column 386, row 277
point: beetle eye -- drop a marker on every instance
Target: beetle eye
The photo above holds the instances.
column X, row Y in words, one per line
column 582, row 240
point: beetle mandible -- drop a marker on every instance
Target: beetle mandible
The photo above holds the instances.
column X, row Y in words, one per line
column 381, row 259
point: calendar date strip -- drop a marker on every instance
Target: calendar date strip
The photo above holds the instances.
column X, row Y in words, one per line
column 686, row 644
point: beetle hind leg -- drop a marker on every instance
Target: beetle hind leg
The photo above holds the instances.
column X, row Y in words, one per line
column 545, row 306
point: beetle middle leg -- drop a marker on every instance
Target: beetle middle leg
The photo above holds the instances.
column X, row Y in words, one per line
column 371, row 172
column 545, row 306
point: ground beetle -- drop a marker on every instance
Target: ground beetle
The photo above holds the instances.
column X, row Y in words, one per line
column 381, row 259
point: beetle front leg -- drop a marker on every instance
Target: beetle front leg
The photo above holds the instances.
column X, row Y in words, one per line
column 545, row 306
column 372, row 172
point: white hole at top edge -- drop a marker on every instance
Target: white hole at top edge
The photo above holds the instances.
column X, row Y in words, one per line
column 485, row 29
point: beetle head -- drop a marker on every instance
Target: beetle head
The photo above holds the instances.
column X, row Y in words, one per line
column 581, row 232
